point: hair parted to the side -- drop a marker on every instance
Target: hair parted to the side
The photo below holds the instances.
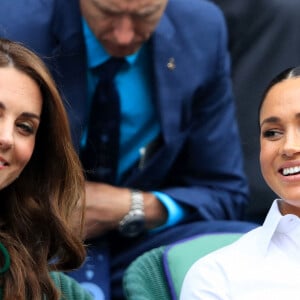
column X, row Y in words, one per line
column 37, row 210
column 292, row 72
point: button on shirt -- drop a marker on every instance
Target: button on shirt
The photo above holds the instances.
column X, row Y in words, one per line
column 264, row 264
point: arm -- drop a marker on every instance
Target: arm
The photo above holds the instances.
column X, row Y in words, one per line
column 106, row 205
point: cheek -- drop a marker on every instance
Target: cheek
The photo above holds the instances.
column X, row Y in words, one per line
column 267, row 156
column 102, row 28
column 146, row 33
column 263, row 162
column 24, row 152
column 144, row 29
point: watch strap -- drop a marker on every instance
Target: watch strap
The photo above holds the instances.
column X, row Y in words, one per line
column 135, row 213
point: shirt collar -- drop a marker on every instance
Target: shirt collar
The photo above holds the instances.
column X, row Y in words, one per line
column 96, row 54
column 275, row 222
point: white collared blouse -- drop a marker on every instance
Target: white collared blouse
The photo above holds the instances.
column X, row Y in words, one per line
column 264, row 264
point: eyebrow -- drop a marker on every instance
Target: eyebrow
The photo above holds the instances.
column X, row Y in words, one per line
column 274, row 119
column 146, row 10
column 30, row 115
column 270, row 120
column 98, row 5
column 150, row 9
column 105, row 8
column 24, row 114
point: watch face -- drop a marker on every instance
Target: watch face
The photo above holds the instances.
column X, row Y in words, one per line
column 133, row 226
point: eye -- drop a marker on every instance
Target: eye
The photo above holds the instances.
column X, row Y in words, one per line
column 26, row 128
column 142, row 15
column 272, row 134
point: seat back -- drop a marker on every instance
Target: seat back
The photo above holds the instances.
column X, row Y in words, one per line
column 159, row 273
column 145, row 278
column 179, row 257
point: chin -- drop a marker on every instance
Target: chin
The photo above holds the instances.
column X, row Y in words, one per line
column 293, row 201
column 122, row 51
column 291, row 197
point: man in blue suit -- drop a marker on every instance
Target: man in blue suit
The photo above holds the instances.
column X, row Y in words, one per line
column 179, row 167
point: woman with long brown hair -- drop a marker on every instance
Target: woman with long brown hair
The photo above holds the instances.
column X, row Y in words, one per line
column 41, row 183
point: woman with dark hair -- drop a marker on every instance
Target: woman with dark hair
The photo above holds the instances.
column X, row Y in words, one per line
column 41, row 183
column 265, row 262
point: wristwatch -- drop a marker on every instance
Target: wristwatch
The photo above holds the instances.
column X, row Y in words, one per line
column 133, row 223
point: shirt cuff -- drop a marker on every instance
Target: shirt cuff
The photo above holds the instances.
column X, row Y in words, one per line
column 175, row 211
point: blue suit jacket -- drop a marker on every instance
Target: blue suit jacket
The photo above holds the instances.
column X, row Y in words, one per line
column 199, row 161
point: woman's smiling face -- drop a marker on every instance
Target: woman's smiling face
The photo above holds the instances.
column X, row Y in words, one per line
column 280, row 142
column 20, row 111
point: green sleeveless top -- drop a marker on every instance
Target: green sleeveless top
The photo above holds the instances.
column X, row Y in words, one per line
column 69, row 288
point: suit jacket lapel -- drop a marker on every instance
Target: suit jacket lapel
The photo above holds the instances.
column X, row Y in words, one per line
column 166, row 56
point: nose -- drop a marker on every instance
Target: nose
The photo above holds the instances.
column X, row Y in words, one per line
column 291, row 145
column 6, row 138
column 124, row 30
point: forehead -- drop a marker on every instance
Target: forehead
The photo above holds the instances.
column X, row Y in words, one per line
column 18, row 89
column 128, row 5
column 282, row 97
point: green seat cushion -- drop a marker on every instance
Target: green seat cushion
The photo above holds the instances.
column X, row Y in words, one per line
column 145, row 279
column 69, row 287
column 179, row 257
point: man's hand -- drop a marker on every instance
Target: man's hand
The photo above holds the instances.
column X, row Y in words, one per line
column 106, row 205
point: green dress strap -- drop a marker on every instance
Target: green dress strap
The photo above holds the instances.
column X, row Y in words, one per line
column 6, row 259
column 70, row 289
column 6, row 264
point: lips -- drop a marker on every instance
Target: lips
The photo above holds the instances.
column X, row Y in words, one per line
column 3, row 163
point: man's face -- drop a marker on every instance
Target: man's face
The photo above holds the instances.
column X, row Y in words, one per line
column 122, row 26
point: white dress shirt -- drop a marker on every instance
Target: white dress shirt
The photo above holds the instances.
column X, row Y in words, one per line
column 264, row 264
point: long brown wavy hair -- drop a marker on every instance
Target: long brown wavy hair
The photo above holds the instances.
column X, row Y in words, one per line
column 37, row 210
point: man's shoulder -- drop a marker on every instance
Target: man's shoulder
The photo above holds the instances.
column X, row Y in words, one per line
column 197, row 23
column 195, row 18
column 193, row 8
